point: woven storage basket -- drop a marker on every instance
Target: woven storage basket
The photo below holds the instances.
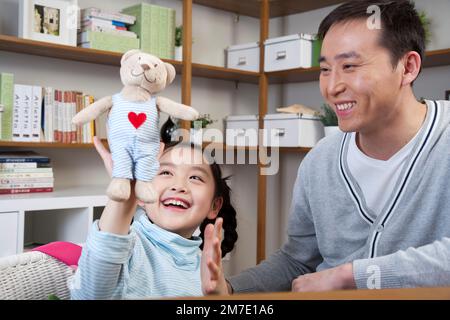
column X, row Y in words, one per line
column 33, row 276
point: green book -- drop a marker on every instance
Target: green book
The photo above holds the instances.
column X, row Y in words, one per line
column 6, row 99
column 155, row 27
column 107, row 41
column 316, row 47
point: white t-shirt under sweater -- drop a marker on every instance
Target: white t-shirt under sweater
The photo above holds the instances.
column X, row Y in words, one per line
column 377, row 178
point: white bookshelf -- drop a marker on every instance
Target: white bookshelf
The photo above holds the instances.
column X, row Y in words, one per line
column 63, row 215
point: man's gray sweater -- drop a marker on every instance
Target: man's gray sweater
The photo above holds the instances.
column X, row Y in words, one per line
column 406, row 245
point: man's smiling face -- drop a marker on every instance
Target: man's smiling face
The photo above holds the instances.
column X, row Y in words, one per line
column 357, row 78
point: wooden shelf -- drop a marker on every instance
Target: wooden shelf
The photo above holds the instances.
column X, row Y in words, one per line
column 294, row 75
column 13, row 44
column 437, row 58
column 57, row 145
column 277, row 8
column 220, row 73
column 45, row 49
column 51, row 50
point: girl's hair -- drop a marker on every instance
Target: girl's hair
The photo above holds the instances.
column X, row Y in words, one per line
column 227, row 212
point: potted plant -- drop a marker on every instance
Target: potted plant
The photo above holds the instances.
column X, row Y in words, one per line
column 179, row 43
column 426, row 23
column 197, row 125
column 329, row 119
column 202, row 122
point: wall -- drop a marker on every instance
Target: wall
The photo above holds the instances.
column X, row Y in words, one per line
column 431, row 84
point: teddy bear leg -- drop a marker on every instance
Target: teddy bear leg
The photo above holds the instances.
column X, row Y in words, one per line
column 145, row 192
column 119, row 189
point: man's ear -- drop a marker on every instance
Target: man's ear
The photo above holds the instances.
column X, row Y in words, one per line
column 170, row 72
column 216, row 206
column 411, row 63
column 128, row 54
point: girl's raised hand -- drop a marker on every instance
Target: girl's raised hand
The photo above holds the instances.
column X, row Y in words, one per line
column 104, row 154
column 213, row 280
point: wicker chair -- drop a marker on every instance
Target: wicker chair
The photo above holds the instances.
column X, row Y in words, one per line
column 33, row 276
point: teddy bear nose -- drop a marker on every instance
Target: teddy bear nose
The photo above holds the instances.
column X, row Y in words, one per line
column 145, row 66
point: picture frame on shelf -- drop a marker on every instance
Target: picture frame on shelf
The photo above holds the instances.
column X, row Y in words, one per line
column 447, row 95
column 52, row 21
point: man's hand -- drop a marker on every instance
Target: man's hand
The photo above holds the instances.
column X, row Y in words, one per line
column 337, row 278
column 213, row 280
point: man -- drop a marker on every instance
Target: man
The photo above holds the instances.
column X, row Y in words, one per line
column 371, row 206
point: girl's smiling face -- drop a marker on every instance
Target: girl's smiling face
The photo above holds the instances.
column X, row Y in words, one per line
column 186, row 189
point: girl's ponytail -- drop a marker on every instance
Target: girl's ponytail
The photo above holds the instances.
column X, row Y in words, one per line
column 227, row 212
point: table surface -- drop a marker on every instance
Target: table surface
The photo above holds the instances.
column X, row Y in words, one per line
column 383, row 294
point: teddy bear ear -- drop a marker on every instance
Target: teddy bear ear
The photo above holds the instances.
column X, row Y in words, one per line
column 128, row 54
column 170, row 72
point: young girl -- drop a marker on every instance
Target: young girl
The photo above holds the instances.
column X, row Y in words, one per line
column 158, row 255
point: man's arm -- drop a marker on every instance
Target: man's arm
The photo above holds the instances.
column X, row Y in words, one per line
column 426, row 266
column 299, row 255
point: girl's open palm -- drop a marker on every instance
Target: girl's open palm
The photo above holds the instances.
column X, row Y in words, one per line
column 213, row 280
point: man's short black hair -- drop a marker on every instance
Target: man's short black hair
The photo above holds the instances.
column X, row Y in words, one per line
column 401, row 28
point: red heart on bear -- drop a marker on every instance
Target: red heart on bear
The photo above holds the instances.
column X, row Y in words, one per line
column 137, row 119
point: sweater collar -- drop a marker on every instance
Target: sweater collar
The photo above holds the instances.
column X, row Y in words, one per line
column 184, row 252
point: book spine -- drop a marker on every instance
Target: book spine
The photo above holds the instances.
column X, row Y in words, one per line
column 64, row 117
column 7, row 100
column 17, row 113
column 79, row 129
column 48, row 114
column 60, row 116
column 97, row 22
column 36, row 113
column 13, row 181
column 25, row 190
column 27, row 109
column 11, row 165
column 56, row 117
column 19, row 168
column 82, row 37
column 73, row 109
column 26, row 185
column 25, row 175
column 95, row 12
column 24, row 159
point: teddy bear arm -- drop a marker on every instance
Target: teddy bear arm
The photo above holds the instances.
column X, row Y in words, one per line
column 175, row 109
column 92, row 111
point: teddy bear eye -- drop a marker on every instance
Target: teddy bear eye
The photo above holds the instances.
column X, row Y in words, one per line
column 155, row 65
column 139, row 58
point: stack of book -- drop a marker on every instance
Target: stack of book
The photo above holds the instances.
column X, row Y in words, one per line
column 106, row 31
column 25, row 172
column 155, row 27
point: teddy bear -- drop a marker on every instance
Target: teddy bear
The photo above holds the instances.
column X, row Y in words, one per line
column 133, row 130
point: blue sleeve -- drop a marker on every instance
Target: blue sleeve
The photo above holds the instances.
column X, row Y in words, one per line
column 103, row 266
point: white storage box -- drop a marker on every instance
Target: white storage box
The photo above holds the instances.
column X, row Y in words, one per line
column 242, row 130
column 288, row 52
column 292, row 130
column 243, row 56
